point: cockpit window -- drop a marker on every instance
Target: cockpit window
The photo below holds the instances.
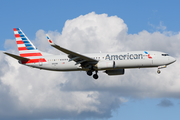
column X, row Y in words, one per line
column 165, row 55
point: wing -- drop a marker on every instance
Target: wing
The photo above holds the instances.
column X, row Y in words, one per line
column 73, row 56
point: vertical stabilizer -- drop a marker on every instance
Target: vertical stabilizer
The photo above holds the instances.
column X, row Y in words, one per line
column 26, row 47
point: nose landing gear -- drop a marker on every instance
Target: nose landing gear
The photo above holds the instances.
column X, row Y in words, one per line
column 160, row 67
column 158, row 71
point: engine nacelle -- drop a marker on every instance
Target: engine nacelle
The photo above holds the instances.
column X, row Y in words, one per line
column 103, row 65
column 115, row 72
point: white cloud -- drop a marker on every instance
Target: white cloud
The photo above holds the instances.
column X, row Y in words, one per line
column 38, row 94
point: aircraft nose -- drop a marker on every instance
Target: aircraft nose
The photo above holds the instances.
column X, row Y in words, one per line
column 172, row 60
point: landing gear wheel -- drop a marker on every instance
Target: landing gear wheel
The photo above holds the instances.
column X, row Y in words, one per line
column 89, row 73
column 158, row 71
column 95, row 76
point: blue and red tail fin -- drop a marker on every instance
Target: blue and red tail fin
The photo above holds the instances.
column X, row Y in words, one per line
column 26, row 47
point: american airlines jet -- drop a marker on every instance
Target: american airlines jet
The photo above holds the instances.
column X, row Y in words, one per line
column 110, row 63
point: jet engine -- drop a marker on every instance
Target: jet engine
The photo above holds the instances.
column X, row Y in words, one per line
column 115, row 72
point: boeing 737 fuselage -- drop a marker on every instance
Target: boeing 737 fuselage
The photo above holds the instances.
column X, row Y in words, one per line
column 110, row 63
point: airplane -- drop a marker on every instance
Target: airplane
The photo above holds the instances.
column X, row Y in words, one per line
column 110, row 63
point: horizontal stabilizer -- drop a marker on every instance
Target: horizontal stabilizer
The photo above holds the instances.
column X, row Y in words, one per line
column 16, row 56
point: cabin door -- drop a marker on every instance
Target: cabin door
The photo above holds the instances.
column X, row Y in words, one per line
column 40, row 61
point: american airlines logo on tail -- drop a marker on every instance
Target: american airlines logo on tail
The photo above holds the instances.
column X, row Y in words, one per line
column 23, row 42
column 26, row 48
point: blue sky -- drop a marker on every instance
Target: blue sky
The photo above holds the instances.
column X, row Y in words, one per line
column 139, row 15
column 147, row 109
column 51, row 15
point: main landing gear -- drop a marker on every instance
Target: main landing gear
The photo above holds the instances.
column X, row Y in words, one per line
column 89, row 72
column 95, row 76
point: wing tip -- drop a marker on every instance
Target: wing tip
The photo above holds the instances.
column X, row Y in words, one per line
column 49, row 40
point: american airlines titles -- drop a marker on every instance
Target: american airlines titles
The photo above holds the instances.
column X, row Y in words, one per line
column 124, row 57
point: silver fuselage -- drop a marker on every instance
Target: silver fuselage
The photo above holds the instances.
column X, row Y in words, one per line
column 132, row 59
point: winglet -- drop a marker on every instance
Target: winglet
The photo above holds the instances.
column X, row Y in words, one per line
column 49, row 40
